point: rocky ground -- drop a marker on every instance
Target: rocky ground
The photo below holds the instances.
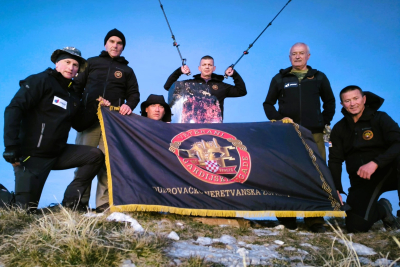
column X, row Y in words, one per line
column 270, row 244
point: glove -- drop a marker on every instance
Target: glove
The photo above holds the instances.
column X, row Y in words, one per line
column 11, row 154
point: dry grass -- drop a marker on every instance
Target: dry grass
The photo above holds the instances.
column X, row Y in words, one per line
column 66, row 238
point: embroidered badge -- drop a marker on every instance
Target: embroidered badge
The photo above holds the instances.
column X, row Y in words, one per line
column 310, row 78
column 118, row 74
column 215, row 87
column 367, row 135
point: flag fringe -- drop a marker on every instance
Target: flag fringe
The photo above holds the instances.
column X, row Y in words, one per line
column 226, row 213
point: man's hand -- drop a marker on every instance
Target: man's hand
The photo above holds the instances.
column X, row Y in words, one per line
column 103, row 102
column 366, row 170
column 125, row 110
column 340, row 197
column 185, row 69
column 229, row 71
column 11, row 154
column 287, row 120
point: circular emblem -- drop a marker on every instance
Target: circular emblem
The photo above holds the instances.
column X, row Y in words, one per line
column 212, row 156
column 118, row 74
column 367, row 135
column 215, row 87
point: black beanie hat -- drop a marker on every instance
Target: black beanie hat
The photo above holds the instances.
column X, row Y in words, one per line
column 115, row 32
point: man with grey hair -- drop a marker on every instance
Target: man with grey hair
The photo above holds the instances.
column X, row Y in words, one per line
column 298, row 90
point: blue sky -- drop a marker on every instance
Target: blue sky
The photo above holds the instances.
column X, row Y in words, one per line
column 352, row 42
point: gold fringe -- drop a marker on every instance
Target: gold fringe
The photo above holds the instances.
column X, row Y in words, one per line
column 103, row 132
column 226, row 213
column 334, row 203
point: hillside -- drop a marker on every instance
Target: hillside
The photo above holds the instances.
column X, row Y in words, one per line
column 64, row 238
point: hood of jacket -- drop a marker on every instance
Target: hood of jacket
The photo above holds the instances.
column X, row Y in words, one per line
column 311, row 71
column 118, row 59
column 214, row 77
column 373, row 103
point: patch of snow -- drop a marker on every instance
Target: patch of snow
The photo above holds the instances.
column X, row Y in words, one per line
column 261, row 232
column 279, row 227
column 227, row 239
column 173, row 236
column 204, row 241
column 121, row 217
column 382, row 262
column 279, row 242
column 359, row 248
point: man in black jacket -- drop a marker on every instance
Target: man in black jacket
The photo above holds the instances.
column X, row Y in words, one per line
column 204, row 95
column 368, row 141
column 36, row 127
column 156, row 108
column 298, row 90
column 109, row 76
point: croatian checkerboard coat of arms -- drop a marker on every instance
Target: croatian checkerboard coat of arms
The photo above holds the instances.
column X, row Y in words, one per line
column 212, row 156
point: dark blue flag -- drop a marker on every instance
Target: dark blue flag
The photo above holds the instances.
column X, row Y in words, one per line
column 217, row 169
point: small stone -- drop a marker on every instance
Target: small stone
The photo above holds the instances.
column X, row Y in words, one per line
column 173, row 236
column 279, row 227
column 229, row 247
column 177, row 262
column 279, row 242
column 289, row 249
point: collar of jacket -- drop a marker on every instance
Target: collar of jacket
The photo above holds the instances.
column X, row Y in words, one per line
column 214, row 77
column 311, row 72
column 64, row 82
column 118, row 59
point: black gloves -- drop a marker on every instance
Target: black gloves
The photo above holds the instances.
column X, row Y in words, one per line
column 11, row 154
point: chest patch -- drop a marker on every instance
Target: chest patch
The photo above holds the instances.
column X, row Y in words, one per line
column 289, row 85
column 60, row 102
column 118, row 74
column 367, row 135
column 215, row 87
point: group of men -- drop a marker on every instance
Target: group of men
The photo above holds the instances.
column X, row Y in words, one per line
column 48, row 104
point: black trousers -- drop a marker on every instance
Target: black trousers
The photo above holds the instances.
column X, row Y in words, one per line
column 32, row 174
column 364, row 194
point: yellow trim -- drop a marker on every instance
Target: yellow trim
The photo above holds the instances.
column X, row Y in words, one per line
column 227, row 213
column 107, row 159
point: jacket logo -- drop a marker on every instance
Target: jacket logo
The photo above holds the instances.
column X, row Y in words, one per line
column 60, row 102
column 212, row 156
column 310, row 78
column 215, row 87
column 367, row 135
column 287, row 85
column 118, row 74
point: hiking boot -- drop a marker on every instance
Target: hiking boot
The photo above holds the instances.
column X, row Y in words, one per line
column 103, row 208
column 317, row 228
column 389, row 221
column 80, row 207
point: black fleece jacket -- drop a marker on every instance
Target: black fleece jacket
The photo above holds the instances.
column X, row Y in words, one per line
column 221, row 90
column 38, row 119
column 110, row 78
column 351, row 143
column 300, row 101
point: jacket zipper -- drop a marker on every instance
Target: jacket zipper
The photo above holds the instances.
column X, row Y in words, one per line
column 300, row 102
column 105, row 84
column 41, row 134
